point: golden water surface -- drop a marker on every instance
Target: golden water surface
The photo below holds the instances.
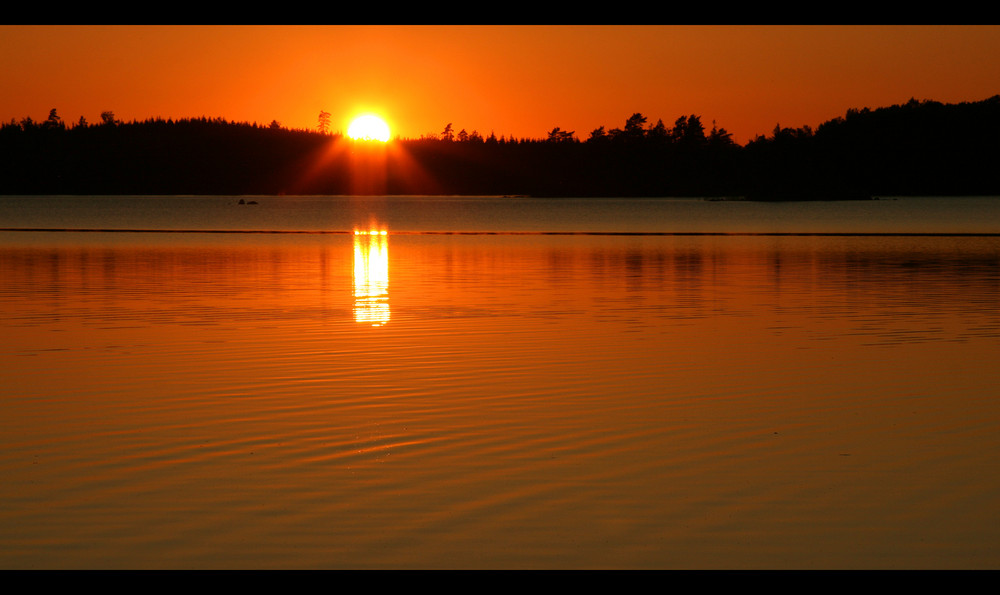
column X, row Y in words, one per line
column 498, row 401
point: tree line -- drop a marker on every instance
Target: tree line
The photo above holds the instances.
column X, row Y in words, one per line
column 920, row 147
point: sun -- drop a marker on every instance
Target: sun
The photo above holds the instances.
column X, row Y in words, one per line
column 368, row 127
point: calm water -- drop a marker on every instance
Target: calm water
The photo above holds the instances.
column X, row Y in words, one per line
column 578, row 384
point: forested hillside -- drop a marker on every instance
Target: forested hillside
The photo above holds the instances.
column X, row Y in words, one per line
column 917, row 148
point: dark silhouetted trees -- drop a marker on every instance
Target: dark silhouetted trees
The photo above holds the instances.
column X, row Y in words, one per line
column 920, row 147
column 53, row 121
column 558, row 135
column 447, row 134
column 917, row 148
column 323, row 122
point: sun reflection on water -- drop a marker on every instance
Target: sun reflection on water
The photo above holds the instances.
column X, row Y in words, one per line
column 371, row 277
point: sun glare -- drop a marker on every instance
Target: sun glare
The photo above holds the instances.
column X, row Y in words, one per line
column 368, row 127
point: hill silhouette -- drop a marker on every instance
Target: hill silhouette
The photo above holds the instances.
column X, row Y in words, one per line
column 916, row 148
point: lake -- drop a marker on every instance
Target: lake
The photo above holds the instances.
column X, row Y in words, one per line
column 463, row 382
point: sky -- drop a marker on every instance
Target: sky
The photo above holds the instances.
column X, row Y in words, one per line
column 517, row 81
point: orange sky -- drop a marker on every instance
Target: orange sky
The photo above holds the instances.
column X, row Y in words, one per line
column 517, row 81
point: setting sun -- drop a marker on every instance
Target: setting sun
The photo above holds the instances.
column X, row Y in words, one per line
column 368, row 127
